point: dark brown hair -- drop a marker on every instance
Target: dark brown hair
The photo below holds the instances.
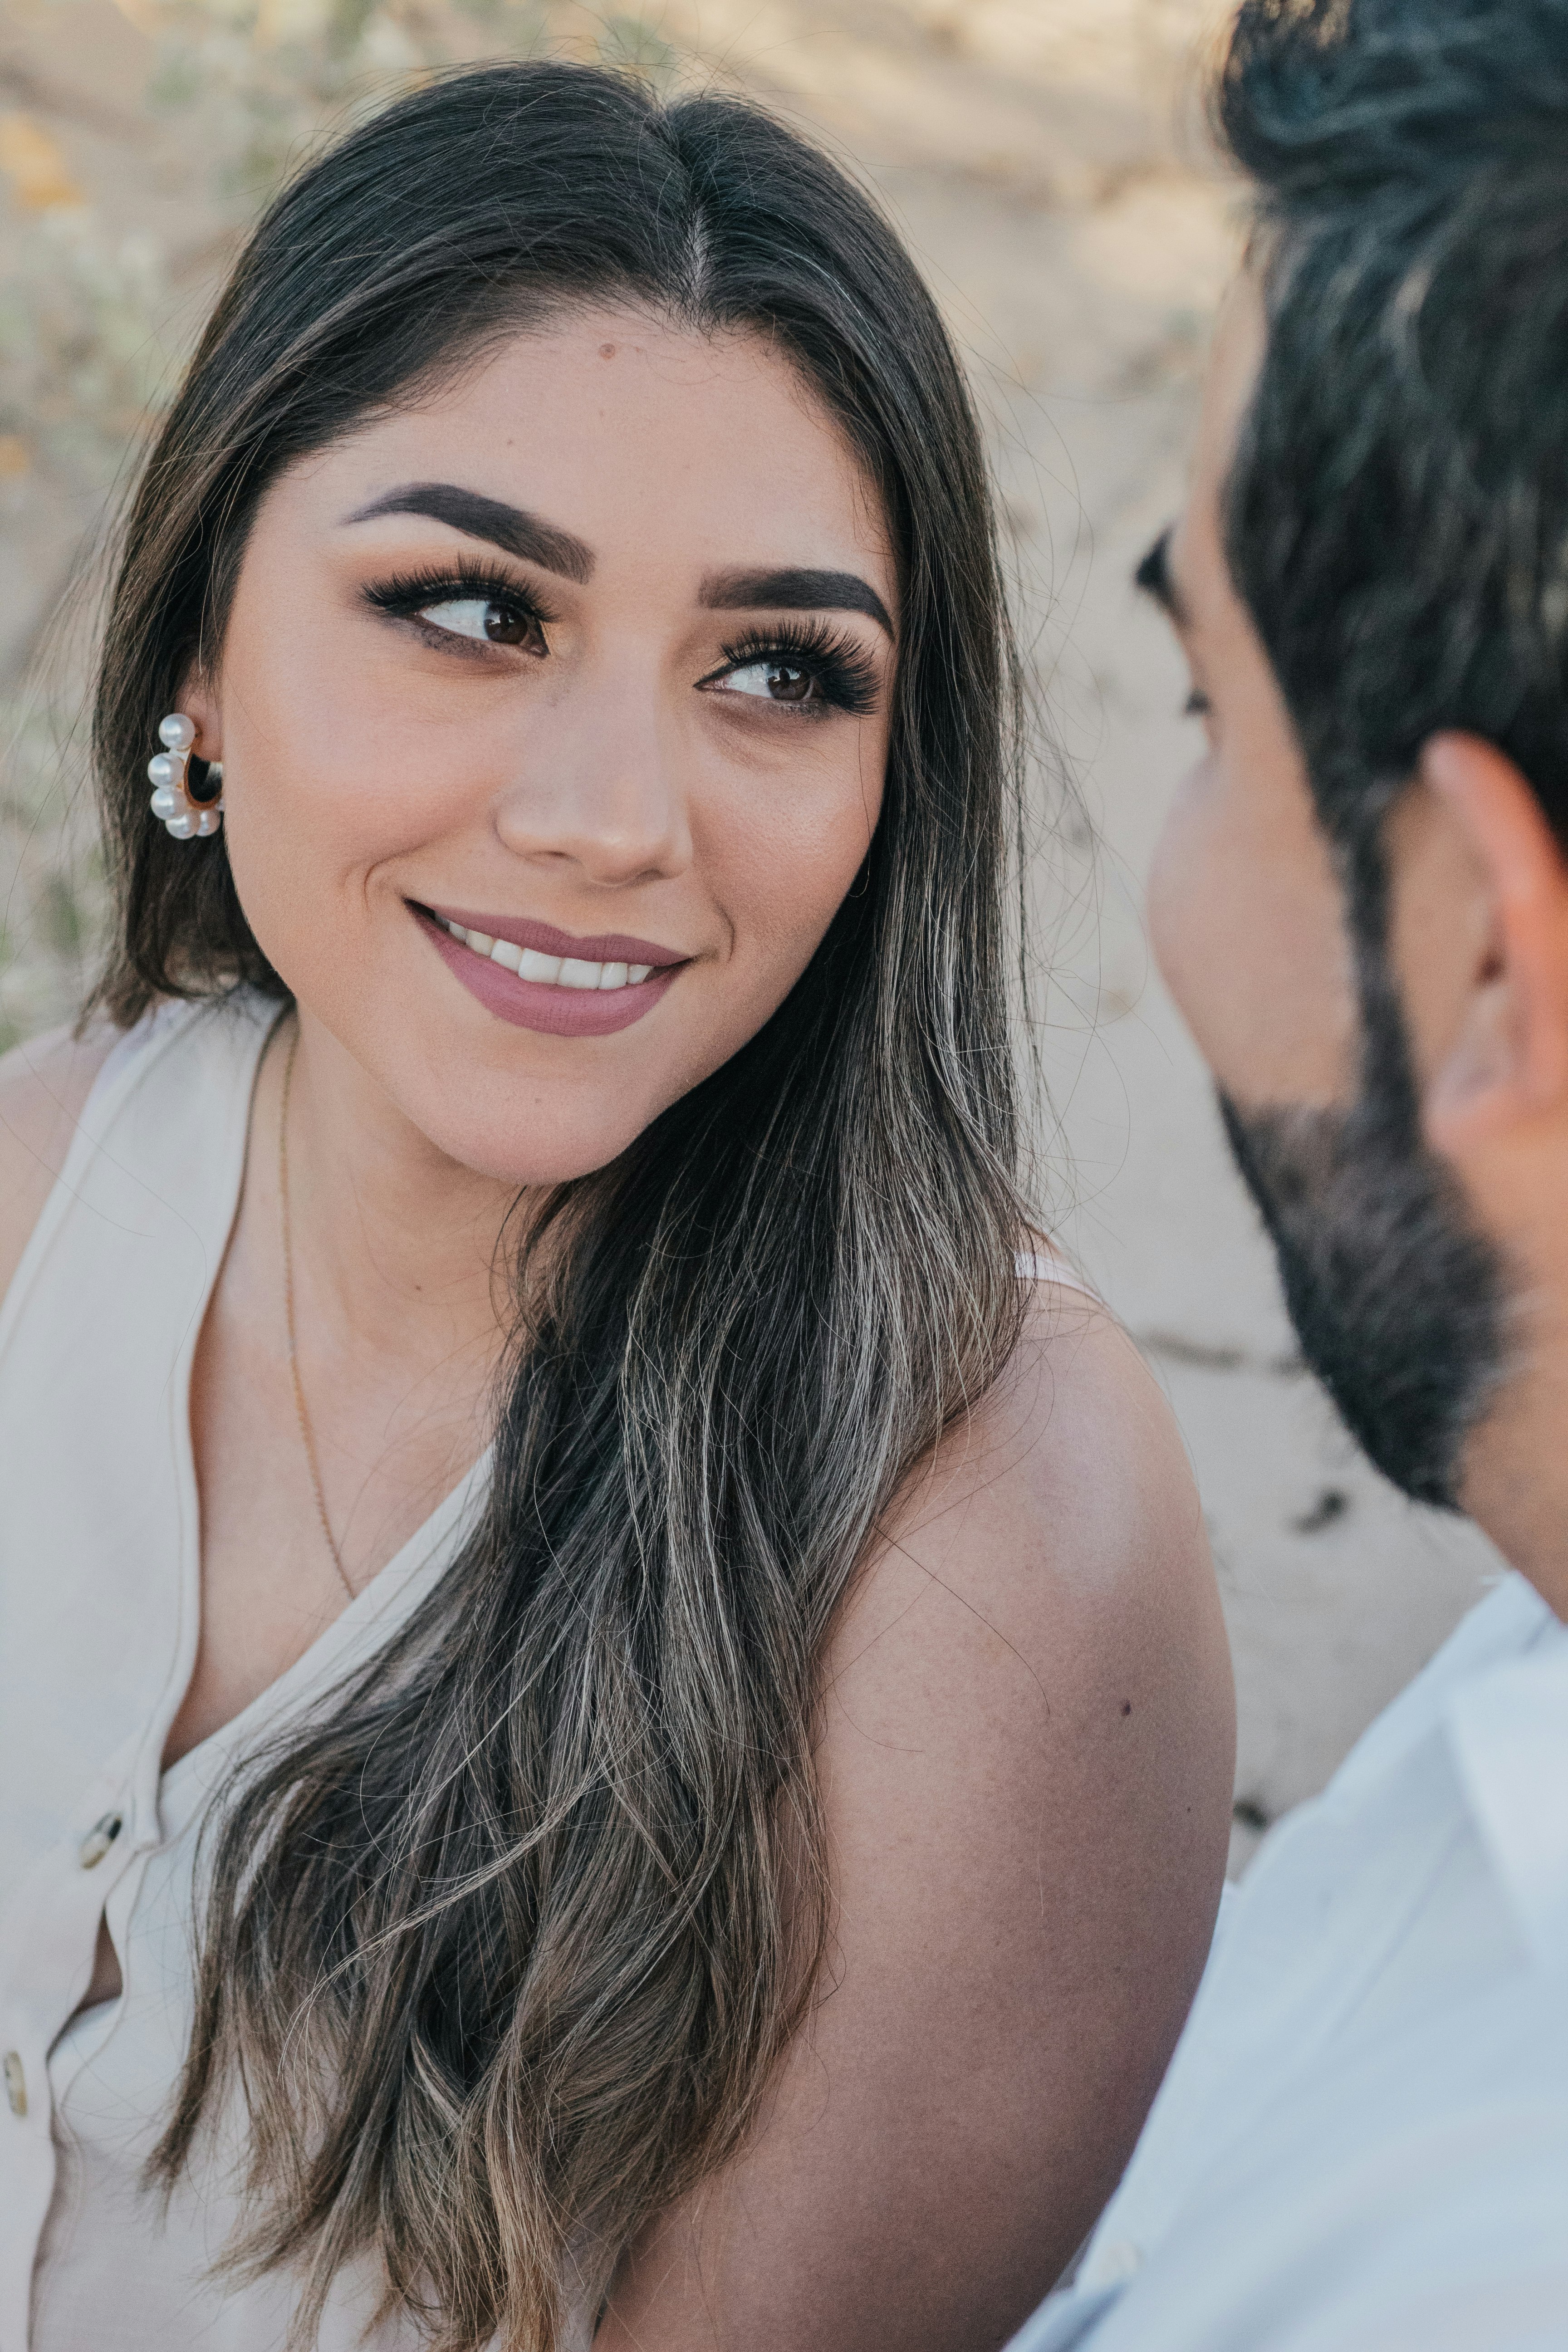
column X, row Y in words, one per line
column 1396, row 519
column 501, row 1944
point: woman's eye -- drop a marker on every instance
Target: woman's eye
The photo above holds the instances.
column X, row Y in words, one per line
column 774, row 682
column 485, row 620
column 1197, row 705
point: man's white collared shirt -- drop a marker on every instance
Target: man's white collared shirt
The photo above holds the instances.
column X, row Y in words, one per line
column 1361, row 2143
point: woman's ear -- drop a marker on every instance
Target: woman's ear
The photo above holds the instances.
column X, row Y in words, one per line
column 199, row 700
column 1481, row 935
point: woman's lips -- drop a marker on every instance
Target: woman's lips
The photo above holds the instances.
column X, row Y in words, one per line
column 605, row 947
column 557, row 1011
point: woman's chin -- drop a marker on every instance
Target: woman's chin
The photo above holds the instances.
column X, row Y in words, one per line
column 528, row 1160
column 510, row 1120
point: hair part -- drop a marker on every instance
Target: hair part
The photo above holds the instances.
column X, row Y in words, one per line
column 503, row 1944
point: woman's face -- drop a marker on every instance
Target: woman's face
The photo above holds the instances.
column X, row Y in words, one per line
column 587, row 658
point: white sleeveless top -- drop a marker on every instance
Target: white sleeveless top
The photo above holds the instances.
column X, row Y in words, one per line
column 99, row 1596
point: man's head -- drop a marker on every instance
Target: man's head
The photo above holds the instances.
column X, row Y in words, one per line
column 1360, row 901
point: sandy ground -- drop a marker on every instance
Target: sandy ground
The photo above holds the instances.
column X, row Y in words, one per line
column 1046, row 162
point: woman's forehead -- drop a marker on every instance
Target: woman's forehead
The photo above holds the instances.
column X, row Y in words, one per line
column 616, row 424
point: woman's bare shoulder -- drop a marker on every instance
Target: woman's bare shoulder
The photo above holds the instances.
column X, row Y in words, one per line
column 1068, row 1502
column 44, row 1086
column 1024, row 1761
column 1054, row 1553
column 1030, row 1700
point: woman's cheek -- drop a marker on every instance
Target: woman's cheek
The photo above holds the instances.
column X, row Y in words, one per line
column 781, row 872
column 301, row 861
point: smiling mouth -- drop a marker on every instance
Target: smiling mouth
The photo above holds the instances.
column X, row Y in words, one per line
column 547, row 970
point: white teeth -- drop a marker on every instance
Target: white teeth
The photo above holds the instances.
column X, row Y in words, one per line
column 557, row 971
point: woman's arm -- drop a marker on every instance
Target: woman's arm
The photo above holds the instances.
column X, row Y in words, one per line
column 1027, row 1762
column 43, row 1086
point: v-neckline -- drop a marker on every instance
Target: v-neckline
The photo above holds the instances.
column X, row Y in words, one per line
column 391, row 1594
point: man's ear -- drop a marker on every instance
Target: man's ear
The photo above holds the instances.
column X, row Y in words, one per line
column 1504, row 1060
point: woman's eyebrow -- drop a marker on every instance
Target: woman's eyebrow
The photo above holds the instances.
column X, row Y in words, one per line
column 470, row 511
column 791, row 590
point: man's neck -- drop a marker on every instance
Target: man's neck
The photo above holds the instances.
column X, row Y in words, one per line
column 1516, row 1471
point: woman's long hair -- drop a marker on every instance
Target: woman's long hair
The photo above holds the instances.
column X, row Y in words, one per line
column 500, row 1946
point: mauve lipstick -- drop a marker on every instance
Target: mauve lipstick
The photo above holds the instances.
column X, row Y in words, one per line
column 534, row 1004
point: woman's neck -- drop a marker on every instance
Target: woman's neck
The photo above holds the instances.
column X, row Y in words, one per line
column 398, row 1244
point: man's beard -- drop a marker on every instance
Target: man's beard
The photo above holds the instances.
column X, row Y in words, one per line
column 1397, row 1299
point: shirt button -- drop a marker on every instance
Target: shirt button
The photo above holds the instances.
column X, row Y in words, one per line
column 15, row 2082
column 99, row 1840
column 1115, row 2262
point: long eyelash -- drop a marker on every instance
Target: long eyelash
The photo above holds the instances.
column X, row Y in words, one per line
column 843, row 671
column 407, row 593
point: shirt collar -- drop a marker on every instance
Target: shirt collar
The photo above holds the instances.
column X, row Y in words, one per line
column 1508, row 1726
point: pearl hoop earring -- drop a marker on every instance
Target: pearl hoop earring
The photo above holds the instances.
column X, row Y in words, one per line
column 184, row 814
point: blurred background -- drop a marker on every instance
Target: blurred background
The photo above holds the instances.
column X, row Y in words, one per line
column 1047, row 161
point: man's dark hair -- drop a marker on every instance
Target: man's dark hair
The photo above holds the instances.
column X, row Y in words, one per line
column 1396, row 523
column 1398, row 507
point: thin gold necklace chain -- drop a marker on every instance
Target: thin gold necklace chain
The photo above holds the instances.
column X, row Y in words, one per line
column 301, row 1413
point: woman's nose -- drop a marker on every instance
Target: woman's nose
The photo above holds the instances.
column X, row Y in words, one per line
column 599, row 785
